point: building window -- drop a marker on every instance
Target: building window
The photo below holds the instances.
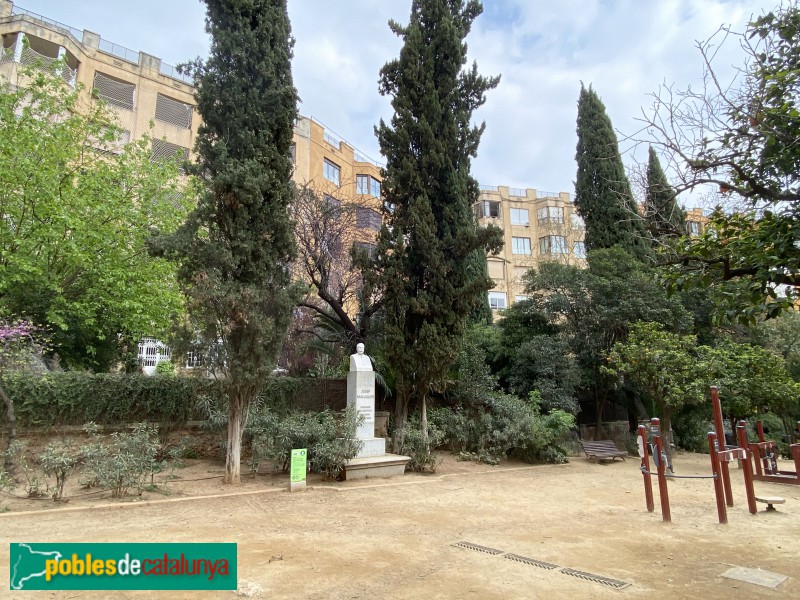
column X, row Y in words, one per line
column 174, row 112
column 331, row 171
column 114, row 91
column 693, row 228
column 550, row 214
column 362, row 184
column 520, row 245
column 579, row 250
column 553, row 244
column 489, row 209
column 497, row 300
column 520, row 298
column 162, row 150
column 519, row 216
column 368, row 185
column 577, row 222
column 374, row 187
column 367, row 218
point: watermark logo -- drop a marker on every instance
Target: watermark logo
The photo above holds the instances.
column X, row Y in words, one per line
column 83, row 566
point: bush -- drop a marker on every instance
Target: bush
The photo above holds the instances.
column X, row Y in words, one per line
column 74, row 398
column 330, row 442
column 58, row 461
column 691, row 427
column 505, row 425
column 124, row 462
column 16, row 454
column 421, row 450
column 165, row 367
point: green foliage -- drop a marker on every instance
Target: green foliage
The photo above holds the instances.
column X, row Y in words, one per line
column 78, row 207
column 593, row 309
column 124, row 462
column 330, row 441
column 503, row 425
column 235, row 248
column 603, row 195
column 165, row 367
column 664, row 218
column 742, row 139
column 74, row 398
column 58, row 460
column 419, row 445
column 17, row 457
column 425, row 254
column 6, row 484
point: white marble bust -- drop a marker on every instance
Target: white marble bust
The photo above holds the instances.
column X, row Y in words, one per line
column 360, row 361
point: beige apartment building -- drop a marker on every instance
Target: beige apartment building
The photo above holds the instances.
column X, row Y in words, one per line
column 537, row 226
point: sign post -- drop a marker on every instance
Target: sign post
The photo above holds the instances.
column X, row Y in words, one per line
column 297, row 477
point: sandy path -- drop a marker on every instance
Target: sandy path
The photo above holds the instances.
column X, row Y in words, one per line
column 394, row 538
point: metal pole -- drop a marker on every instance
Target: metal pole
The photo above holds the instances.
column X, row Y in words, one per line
column 747, row 466
column 718, row 491
column 719, row 426
column 648, row 485
column 663, row 492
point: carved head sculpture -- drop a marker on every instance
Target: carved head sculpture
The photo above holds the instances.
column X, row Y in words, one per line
column 360, row 349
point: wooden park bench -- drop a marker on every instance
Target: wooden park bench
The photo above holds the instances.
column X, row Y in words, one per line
column 602, row 449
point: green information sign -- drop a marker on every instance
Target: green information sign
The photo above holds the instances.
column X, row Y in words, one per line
column 298, row 472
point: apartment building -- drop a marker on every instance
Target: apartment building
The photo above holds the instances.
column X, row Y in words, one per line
column 138, row 87
column 537, row 226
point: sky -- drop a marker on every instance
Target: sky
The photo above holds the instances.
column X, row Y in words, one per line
column 542, row 49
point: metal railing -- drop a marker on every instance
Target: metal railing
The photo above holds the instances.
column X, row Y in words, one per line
column 542, row 194
column 62, row 27
column 518, row 192
column 119, row 51
column 171, row 71
column 489, row 188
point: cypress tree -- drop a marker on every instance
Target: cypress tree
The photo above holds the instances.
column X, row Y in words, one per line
column 664, row 217
column 425, row 248
column 236, row 246
column 602, row 192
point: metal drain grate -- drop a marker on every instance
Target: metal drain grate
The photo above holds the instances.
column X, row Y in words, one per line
column 614, row 583
column 531, row 561
column 471, row 546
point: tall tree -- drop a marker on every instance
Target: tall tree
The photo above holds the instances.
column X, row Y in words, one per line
column 665, row 219
column 425, row 247
column 741, row 137
column 236, row 247
column 77, row 207
column 603, row 194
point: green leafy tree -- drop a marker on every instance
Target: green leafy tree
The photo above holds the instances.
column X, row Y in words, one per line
column 236, row 247
column 77, row 209
column 594, row 308
column 603, row 195
column 750, row 380
column 663, row 367
column 741, row 138
column 423, row 257
column 665, row 219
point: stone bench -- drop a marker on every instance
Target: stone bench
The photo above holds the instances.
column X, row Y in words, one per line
column 770, row 500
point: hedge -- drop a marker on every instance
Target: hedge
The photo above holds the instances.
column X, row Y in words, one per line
column 75, row 398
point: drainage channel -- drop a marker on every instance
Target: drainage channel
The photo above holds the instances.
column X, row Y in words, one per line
column 612, row 583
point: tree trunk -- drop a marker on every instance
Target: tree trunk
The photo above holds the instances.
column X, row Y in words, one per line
column 400, row 421
column 423, row 420
column 12, row 429
column 600, row 405
column 233, row 457
column 666, row 429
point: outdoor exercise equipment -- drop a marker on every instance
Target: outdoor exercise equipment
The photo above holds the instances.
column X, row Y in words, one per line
column 765, row 457
column 720, row 457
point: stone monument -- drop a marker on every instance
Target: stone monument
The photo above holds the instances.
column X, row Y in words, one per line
column 371, row 460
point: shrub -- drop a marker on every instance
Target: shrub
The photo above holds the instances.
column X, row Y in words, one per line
column 123, row 463
column 58, row 461
column 330, row 442
column 165, row 367
column 504, row 425
column 421, row 450
column 17, row 455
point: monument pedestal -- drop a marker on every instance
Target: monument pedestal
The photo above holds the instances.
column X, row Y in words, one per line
column 372, row 460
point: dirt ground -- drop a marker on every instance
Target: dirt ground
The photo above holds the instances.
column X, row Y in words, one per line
column 394, row 538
